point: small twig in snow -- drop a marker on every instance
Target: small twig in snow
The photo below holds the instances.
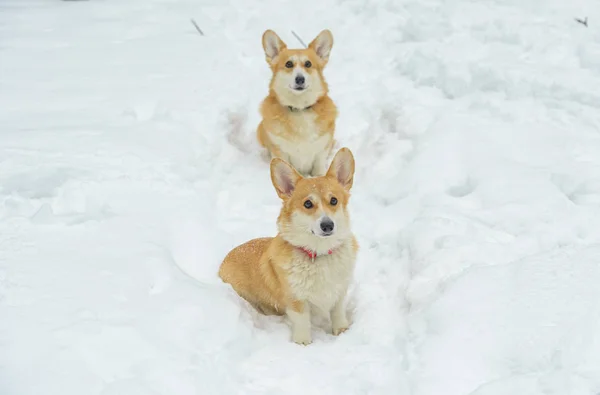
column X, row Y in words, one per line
column 583, row 22
column 197, row 27
column 298, row 38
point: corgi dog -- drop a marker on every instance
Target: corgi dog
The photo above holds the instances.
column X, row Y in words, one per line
column 308, row 266
column 298, row 116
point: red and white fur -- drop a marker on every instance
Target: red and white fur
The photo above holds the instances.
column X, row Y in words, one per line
column 298, row 116
column 307, row 267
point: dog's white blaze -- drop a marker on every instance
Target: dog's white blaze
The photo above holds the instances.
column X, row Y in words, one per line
column 300, row 71
column 298, row 231
column 308, row 148
column 284, row 81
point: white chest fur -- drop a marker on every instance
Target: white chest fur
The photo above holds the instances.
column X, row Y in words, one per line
column 321, row 282
column 306, row 148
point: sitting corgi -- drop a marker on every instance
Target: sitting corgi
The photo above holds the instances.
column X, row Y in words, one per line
column 310, row 263
column 298, row 117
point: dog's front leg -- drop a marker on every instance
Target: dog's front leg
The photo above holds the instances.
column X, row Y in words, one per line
column 339, row 322
column 299, row 314
column 319, row 165
column 275, row 152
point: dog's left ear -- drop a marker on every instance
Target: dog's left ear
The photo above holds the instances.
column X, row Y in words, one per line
column 342, row 168
column 322, row 45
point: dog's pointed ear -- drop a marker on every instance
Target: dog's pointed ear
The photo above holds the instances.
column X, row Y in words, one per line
column 272, row 45
column 284, row 178
column 322, row 45
column 342, row 168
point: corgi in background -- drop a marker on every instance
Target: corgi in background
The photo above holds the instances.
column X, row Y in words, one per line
column 308, row 266
column 298, row 116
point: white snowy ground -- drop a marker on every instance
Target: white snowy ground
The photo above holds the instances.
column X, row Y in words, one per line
column 128, row 168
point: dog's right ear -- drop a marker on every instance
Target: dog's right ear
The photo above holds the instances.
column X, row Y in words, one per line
column 272, row 45
column 284, row 178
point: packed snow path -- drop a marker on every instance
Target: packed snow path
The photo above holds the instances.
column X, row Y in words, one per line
column 128, row 168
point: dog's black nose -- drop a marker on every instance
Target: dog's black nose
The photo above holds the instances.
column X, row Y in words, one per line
column 299, row 80
column 327, row 225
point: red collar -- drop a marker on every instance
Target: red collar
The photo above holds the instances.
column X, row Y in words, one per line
column 312, row 254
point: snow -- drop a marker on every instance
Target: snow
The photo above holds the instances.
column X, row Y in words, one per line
column 129, row 167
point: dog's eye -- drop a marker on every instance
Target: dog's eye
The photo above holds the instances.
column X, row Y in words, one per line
column 289, row 64
column 308, row 204
column 307, row 64
column 333, row 201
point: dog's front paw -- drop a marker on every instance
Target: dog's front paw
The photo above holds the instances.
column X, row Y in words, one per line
column 339, row 324
column 339, row 330
column 302, row 337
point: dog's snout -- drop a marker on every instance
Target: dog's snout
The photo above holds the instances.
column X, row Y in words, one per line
column 300, row 79
column 327, row 225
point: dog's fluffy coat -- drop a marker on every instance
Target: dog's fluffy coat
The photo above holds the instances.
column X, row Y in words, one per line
column 298, row 125
column 280, row 275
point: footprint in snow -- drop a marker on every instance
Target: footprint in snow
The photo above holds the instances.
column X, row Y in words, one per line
column 463, row 189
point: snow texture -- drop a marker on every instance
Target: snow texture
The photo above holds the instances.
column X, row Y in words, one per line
column 129, row 167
